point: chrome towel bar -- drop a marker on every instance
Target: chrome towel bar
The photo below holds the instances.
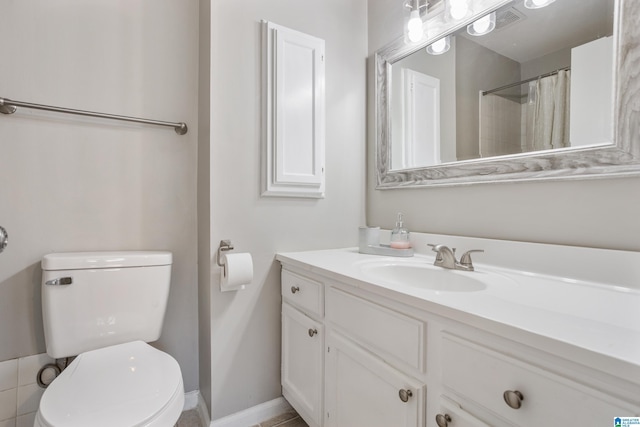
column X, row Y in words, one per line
column 8, row 106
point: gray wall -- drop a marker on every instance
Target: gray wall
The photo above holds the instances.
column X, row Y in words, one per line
column 545, row 64
column 478, row 68
column 244, row 340
column 204, row 204
column 78, row 184
column 599, row 213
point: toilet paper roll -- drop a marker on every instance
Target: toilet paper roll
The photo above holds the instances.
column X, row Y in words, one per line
column 237, row 273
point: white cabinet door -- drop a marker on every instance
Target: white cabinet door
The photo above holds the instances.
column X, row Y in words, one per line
column 362, row 390
column 302, row 364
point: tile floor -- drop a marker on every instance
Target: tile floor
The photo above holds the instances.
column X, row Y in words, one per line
column 288, row 419
column 189, row 419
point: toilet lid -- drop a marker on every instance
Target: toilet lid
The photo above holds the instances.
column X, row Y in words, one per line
column 125, row 384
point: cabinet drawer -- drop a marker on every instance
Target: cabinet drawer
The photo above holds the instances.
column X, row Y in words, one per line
column 302, row 292
column 483, row 376
column 387, row 332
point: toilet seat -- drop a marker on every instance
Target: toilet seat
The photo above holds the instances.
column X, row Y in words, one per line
column 131, row 384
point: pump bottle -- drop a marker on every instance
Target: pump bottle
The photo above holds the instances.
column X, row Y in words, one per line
column 400, row 235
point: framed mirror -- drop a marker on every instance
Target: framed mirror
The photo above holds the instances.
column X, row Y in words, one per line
column 545, row 94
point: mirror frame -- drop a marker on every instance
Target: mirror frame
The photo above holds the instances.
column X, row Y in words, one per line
column 618, row 159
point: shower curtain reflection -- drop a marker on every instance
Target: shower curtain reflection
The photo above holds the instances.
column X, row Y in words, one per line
column 522, row 119
column 547, row 112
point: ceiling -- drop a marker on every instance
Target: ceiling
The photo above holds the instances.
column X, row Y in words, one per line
column 538, row 32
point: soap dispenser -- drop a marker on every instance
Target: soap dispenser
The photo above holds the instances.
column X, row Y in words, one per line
column 400, row 235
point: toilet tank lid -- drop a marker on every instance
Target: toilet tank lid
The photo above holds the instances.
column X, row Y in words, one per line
column 93, row 260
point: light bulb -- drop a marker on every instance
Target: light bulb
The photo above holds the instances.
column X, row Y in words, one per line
column 439, row 47
column 458, row 9
column 483, row 26
column 414, row 27
column 537, row 4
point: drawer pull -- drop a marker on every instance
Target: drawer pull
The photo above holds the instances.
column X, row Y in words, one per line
column 295, row 289
column 443, row 420
column 405, row 395
column 513, row 398
column 312, row 332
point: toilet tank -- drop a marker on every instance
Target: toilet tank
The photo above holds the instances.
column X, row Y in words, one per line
column 92, row 300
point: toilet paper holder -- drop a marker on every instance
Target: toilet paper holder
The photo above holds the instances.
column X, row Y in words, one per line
column 225, row 245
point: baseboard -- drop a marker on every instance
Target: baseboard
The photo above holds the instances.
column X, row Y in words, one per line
column 203, row 412
column 191, row 399
column 253, row 415
column 194, row 400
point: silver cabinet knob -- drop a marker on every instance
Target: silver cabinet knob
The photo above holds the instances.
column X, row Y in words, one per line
column 443, row 420
column 312, row 332
column 295, row 289
column 4, row 238
column 405, row 394
column 513, row 398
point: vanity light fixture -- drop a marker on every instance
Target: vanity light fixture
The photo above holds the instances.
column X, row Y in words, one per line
column 459, row 9
column 482, row 26
column 537, row 4
column 439, row 46
column 414, row 28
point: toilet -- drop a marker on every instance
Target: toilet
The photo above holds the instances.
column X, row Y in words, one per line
column 105, row 307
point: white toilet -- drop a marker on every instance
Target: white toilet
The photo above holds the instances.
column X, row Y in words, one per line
column 105, row 307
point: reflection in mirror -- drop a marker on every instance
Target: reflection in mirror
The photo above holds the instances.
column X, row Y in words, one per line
column 540, row 80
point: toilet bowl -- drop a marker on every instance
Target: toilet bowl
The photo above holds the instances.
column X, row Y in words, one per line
column 131, row 384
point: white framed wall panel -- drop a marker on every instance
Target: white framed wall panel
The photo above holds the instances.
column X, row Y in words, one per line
column 293, row 113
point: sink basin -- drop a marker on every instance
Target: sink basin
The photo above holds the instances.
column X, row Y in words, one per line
column 424, row 276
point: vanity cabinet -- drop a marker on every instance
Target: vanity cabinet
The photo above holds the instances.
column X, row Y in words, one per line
column 353, row 355
column 303, row 346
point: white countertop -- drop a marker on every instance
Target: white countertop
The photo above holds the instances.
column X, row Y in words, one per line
column 603, row 319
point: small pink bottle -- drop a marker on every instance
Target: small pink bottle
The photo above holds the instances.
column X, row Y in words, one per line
column 400, row 235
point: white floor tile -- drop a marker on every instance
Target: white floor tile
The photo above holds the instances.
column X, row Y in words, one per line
column 26, row 420
column 29, row 398
column 8, row 404
column 8, row 374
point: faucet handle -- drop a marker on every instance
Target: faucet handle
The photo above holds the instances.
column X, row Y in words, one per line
column 436, row 249
column 465, row 259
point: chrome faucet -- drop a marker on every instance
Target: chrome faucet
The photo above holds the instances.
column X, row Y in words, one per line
column 446, row 258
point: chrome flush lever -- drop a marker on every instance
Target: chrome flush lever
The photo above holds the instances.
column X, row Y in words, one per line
column 59, row 281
